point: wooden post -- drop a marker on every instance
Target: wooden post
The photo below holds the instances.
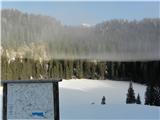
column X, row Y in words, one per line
column 56, row 101
column 4, row 101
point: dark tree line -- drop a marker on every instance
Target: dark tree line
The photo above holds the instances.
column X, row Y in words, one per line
column 66, row 69
column 141, row 72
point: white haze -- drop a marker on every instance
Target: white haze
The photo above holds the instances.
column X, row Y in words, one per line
column 43, row 37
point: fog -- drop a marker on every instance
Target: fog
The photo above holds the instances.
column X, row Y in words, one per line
column 43, row 37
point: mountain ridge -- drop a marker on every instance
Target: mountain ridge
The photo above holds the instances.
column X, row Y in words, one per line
column 38, row 36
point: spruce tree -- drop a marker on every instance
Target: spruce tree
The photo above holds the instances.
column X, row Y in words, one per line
column 4, row 64
column 80, row 70
column 60, row 70
column 148, row 95
column 55, row 69
column 157, row 95
column 152, row 95
column 101, row 70
column 130, row 95
column 138, row 100
column 93, row 70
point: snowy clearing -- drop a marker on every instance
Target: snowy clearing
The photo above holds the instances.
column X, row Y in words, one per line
column 80, row 100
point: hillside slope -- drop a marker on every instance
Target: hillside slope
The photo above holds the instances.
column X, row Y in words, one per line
column 35, row 36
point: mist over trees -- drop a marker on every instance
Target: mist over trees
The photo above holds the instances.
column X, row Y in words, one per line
column 41, row 47
column 38, row 36
column 124, row 50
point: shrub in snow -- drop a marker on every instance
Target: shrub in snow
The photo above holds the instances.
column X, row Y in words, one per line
column 130, row 95
column 92, row 103
column 103, row 102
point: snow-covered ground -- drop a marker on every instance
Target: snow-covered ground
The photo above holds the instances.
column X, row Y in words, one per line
column 80, row 100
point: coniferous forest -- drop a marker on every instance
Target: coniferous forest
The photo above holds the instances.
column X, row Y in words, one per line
column 39, row 46
column 24, row 68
